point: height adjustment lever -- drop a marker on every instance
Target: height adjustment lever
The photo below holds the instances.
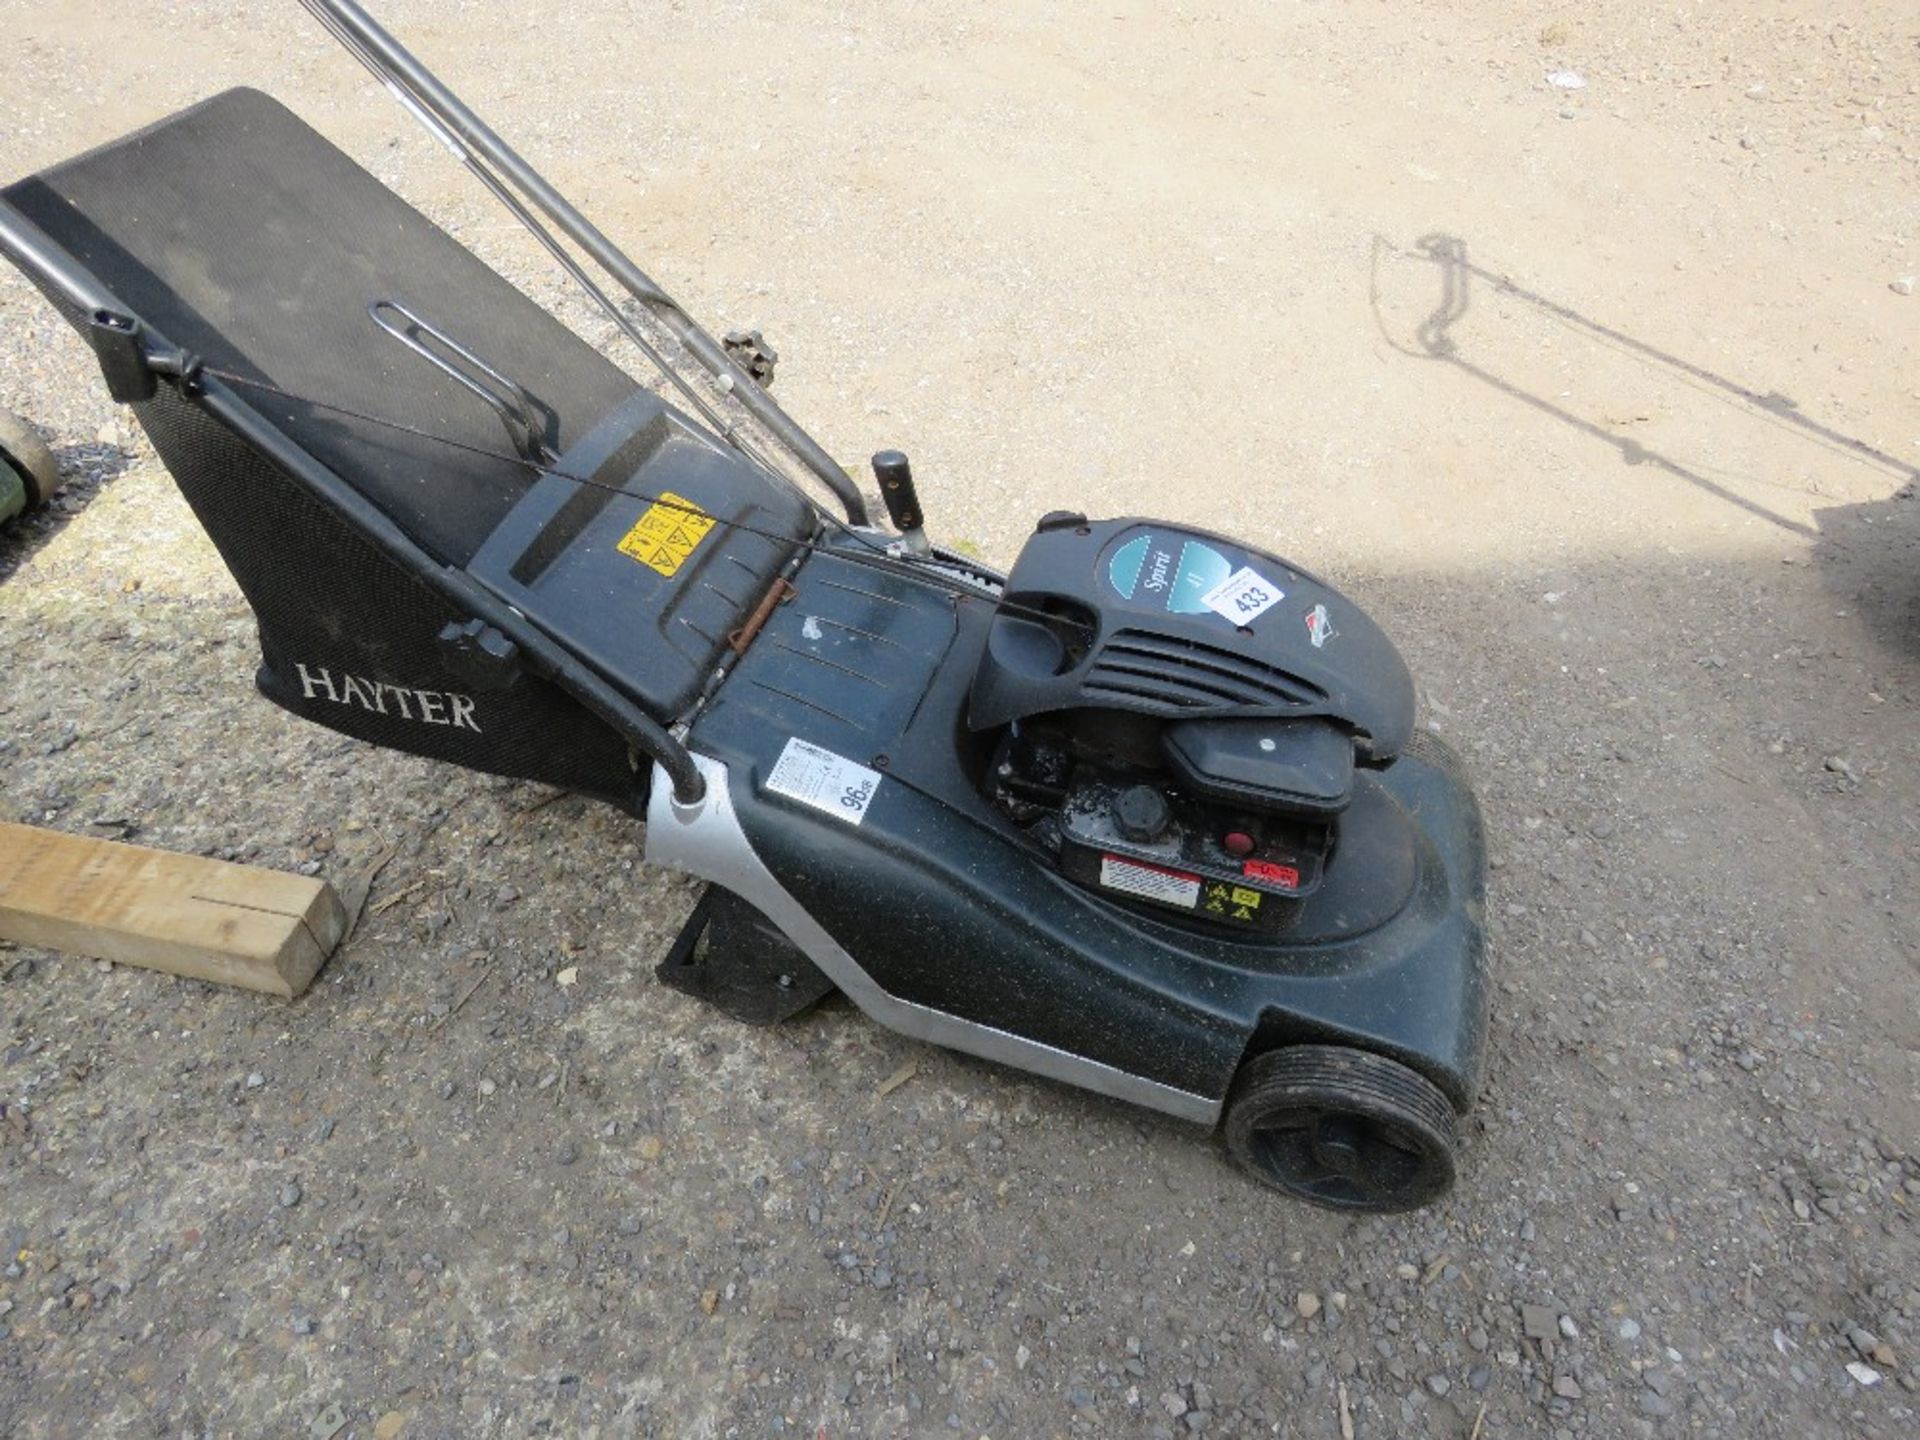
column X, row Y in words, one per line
column 895, row 475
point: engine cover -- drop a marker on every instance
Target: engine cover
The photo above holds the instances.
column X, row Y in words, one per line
column 1182, row 624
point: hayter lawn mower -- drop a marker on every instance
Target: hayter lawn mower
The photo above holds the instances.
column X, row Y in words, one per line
column 1148, row 814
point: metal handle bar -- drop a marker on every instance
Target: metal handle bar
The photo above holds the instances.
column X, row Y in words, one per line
column 420, row 91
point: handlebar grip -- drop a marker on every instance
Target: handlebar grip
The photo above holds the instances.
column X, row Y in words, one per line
column 895, row 475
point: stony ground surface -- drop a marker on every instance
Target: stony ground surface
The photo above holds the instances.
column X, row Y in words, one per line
column 1601, row 395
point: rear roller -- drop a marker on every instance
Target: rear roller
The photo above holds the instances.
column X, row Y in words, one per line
column 1342, row 1128
column 28, row 472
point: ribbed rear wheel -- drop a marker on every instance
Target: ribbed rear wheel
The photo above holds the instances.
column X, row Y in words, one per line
column 22, row 449
column 1342, row 1128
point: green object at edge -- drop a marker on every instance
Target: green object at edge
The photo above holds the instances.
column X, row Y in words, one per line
column 13, row 492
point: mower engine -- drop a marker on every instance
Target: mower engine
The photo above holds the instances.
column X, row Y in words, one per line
column 1180, row 717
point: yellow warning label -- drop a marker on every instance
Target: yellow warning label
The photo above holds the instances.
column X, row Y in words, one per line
column 667, row 534
column 1231, row 902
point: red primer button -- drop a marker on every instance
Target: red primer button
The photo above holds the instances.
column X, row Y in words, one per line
column 1278, row 874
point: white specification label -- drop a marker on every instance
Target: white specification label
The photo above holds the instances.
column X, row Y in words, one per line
column 1242, row 596
column 824, row 780
column 1169, row 887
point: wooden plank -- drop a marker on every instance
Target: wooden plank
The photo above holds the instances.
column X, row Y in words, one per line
column 233, row 924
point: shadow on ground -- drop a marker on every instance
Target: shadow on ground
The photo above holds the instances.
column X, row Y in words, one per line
column 84, row 471
column 1870, row 557
column 1458, row 279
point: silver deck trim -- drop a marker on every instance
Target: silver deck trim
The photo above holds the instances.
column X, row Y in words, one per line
column 707, row 841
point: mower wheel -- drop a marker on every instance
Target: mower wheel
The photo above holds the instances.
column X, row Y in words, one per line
column 1341, row 1127
column 22, row 449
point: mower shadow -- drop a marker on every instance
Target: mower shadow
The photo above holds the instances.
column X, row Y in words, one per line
column 84, row 470
column 1869, row 558
column 1434, row 340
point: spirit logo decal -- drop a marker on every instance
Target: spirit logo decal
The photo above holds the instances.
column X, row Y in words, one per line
column 1168, row 571
column 422, row 707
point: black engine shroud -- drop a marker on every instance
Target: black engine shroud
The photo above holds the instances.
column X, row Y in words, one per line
column 1127, row 627
column 1182, row 715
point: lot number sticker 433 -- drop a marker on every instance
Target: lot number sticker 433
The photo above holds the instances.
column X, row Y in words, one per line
column 1243, row 595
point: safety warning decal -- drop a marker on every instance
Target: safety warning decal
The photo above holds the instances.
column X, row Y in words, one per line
column 1286, row 875
column 667, row 534
column 1169, row 887
column 843, row 788
column 1232, row 902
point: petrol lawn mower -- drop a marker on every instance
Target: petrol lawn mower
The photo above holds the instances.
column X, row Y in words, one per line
column 1148, row 814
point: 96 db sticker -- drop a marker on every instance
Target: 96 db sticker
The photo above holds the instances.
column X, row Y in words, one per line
column 824, row 780
column 1243, row 595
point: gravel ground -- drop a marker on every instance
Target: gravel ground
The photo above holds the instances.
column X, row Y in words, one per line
column 1639, row 503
